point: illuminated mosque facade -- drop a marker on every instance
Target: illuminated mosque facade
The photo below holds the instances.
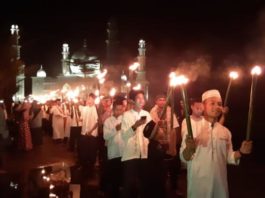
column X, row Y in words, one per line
column 82, row 69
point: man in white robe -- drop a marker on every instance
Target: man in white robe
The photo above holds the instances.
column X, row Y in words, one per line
column 209, row 152
column 114, row 142
column 88, row 140
column 135, row 146
column 67, row 121
column 76, row 126
column 58, row 117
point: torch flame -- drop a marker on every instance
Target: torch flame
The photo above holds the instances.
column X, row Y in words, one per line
column 134, row 66
column 97, row 92
column 52, row 195
column 97, row 100
column 51, row 186
column 102, row 74
column 178, row 80
column 137, row 87
column 233, row 75
column 101, row 81
column 112, row 92
column 72, row 94
column 75, row 100
column 123, row 77
column 172, row 75
column 256, row 70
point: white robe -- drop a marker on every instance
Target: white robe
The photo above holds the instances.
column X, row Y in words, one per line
column 68, row 121
column 57, row 122
column 112, row 137
column 89, row 116
column 135, row 144
column 207, row 170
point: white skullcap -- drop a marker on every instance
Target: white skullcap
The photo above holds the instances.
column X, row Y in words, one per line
column 211, row 93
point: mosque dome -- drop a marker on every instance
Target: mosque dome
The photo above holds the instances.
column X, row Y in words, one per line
column 84, row 54
column 41, row 73
column 83, row 61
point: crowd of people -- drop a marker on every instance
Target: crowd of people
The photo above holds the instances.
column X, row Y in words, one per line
column 138, row 152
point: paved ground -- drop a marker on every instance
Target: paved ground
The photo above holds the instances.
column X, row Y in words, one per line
column 19, row 165
column 246, row 180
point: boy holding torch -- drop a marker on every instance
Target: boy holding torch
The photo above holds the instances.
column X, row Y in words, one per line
column 209, row 151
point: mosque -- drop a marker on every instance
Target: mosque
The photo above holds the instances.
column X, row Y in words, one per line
column 84, row 70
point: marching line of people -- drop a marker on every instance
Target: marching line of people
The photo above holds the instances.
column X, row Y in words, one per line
column 138, row 151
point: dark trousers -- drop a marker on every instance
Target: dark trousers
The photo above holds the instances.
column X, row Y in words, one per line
column 103, row 158
column 47, row 126
column 103, row 162
column 75, row 133
column 2, row 150
column 37, row 135
column 135, row 178
column 114, row 177
column 87, row 150
column 156, row 179
column 173, row 169
column 102, row 149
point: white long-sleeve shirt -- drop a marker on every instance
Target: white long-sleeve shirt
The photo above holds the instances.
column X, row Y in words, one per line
column 112, row 137
column 89, row 117
column 207, row 170
column 135, row 144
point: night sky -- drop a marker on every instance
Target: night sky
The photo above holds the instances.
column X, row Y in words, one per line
column 229, row 33
column 210, row 35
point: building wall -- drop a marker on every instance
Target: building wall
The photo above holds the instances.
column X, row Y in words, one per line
column 43, row 86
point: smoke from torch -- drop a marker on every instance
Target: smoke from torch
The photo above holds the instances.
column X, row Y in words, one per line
column 200, row 67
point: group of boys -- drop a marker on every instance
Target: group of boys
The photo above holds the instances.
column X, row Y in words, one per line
column 142, row 147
